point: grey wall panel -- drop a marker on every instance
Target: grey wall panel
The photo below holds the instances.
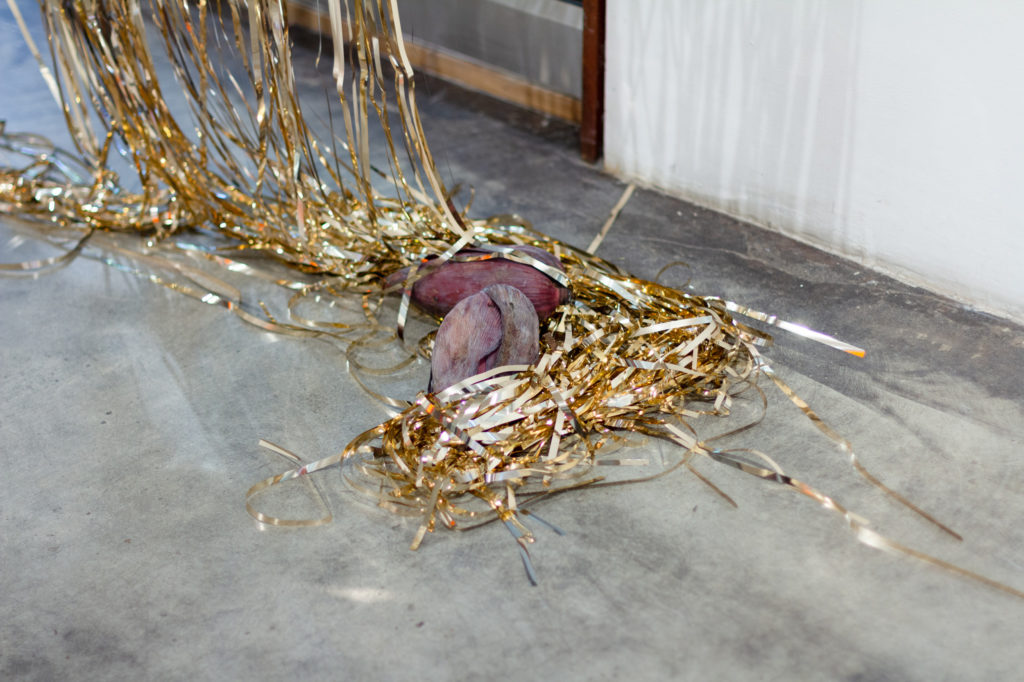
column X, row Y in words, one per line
column 540, row 40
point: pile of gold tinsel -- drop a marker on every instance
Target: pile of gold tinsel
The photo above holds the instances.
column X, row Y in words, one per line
column 624, row 357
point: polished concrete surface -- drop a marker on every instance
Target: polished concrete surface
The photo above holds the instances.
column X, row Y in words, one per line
column 128, row 436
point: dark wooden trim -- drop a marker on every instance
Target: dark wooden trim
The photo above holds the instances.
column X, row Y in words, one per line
column 592, row 124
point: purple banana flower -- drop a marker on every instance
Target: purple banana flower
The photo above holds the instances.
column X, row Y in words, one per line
column 494, row 327
column 445, row 285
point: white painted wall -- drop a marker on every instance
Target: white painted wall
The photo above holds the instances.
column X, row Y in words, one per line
column 890, row 131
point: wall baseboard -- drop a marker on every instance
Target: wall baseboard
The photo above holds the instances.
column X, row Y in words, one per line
column 463, row 71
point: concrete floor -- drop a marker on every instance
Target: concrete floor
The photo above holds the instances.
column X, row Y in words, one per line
column 131, row 415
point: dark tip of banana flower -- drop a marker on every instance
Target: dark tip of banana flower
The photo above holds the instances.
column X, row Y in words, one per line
column 443, row 286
